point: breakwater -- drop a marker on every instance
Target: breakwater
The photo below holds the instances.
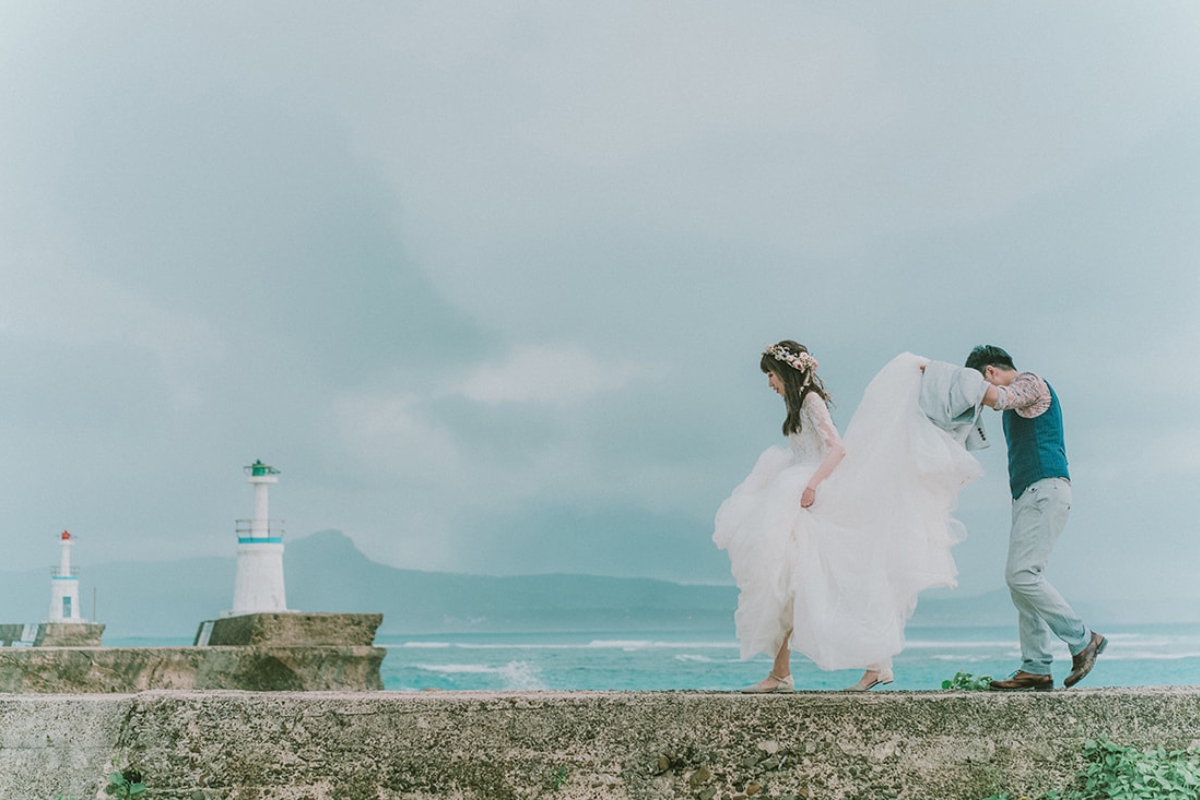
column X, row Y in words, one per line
column 60, row 670
column 283, row 651
column 382, row 745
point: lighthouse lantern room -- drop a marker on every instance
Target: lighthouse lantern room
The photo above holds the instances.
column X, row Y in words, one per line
column 258, row 586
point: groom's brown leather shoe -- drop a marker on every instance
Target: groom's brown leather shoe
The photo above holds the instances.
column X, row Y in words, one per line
column 1082, row 662
column 1024, row 681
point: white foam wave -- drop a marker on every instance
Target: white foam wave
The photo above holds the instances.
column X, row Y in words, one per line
column 957, row 645
column 456, row 669
column 522, row 676
column 621, row 644
column 518, row 675
column 1139, row 655
column 628, row 645
column 694, row 658
column 646, row 644
column 519, row 646
column 1155, row 637
column 1138, row 641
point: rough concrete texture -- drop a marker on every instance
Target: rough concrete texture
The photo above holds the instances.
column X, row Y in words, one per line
column 55, row 634
column 136, row 669
column 386, row 746
column 69, row 634
column 52, row 745
column 10, row 632
column 293, row 628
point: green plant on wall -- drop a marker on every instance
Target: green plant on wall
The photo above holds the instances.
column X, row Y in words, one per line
column 125, row 784
column 1115, row 772
column 965, row 681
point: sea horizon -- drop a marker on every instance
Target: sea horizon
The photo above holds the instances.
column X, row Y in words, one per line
column 1137, row 655
column 1149, row 654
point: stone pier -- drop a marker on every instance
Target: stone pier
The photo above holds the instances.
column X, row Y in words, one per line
column 52, row 634
column 285, row 652
column 387, row 746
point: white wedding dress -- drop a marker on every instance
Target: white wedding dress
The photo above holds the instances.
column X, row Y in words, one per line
column 843, row 575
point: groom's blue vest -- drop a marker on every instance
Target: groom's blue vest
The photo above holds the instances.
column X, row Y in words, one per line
column 1036, row 448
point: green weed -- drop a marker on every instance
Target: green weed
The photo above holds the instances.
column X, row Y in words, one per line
column 126, row 784
column 965, row 681
column 1115, row 772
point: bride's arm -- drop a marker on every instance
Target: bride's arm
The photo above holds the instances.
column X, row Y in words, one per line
column 829, row 435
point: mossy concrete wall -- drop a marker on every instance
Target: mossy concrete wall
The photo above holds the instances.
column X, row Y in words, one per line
column 293, row 629
column 49, row 670
column 386, row 746
column 55, row 634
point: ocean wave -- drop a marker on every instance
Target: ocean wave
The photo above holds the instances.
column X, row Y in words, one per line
column 621, row 644
column 628, row 645
column 646, row 644
column 1142, row 655
column 522, row 676
column 483, row 646
column 516, row 675
column 457, row 669
column 1154, row 636
column 958, row 645
column 1116, row 640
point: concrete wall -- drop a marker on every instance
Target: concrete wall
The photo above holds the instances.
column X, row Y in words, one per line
column 136, row 669
column 293, row 629
column 10, row 632
column 386, row 746
column 70, row 634
column 55, row 634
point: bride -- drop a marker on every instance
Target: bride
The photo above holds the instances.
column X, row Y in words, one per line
column 831, row 542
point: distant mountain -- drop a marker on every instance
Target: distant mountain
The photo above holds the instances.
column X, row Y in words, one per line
column 991, row 608
column 326, row 572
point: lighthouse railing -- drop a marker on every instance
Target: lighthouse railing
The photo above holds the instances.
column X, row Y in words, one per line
column 57, row 572
column 251, row 529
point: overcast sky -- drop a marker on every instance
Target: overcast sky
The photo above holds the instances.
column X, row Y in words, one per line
column 488, row 282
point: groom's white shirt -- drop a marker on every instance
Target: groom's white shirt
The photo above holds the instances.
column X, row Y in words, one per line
column 952, row 397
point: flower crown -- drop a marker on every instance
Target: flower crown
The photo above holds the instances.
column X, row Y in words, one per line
column 800, row 361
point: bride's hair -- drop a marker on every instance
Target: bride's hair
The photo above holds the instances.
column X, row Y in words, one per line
column 797, row 383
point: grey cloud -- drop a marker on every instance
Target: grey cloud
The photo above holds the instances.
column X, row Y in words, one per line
column 299, row 231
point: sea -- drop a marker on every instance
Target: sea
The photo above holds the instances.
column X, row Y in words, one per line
column 1141, row 655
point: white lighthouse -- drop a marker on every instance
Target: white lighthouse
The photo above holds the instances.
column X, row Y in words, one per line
column 64, row 586
column 258, row 586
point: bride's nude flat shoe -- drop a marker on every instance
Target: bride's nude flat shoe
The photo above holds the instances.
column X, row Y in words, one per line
column 882, row 678
column 786, row 685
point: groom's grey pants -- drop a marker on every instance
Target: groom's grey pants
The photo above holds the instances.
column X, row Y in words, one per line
column 1038, row 517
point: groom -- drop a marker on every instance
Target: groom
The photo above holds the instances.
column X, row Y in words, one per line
column 1041, row 491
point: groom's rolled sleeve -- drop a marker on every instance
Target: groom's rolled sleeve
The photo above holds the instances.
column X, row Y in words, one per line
column 1028, row 395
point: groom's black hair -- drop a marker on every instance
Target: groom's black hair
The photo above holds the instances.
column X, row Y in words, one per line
column 988, row 355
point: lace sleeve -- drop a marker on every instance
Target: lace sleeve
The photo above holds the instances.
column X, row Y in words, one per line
column 819, row 413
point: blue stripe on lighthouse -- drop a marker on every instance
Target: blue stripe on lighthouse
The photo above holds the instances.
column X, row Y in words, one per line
column 263, row 540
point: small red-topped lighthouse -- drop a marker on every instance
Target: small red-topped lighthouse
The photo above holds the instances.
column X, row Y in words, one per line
column 64, row 585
